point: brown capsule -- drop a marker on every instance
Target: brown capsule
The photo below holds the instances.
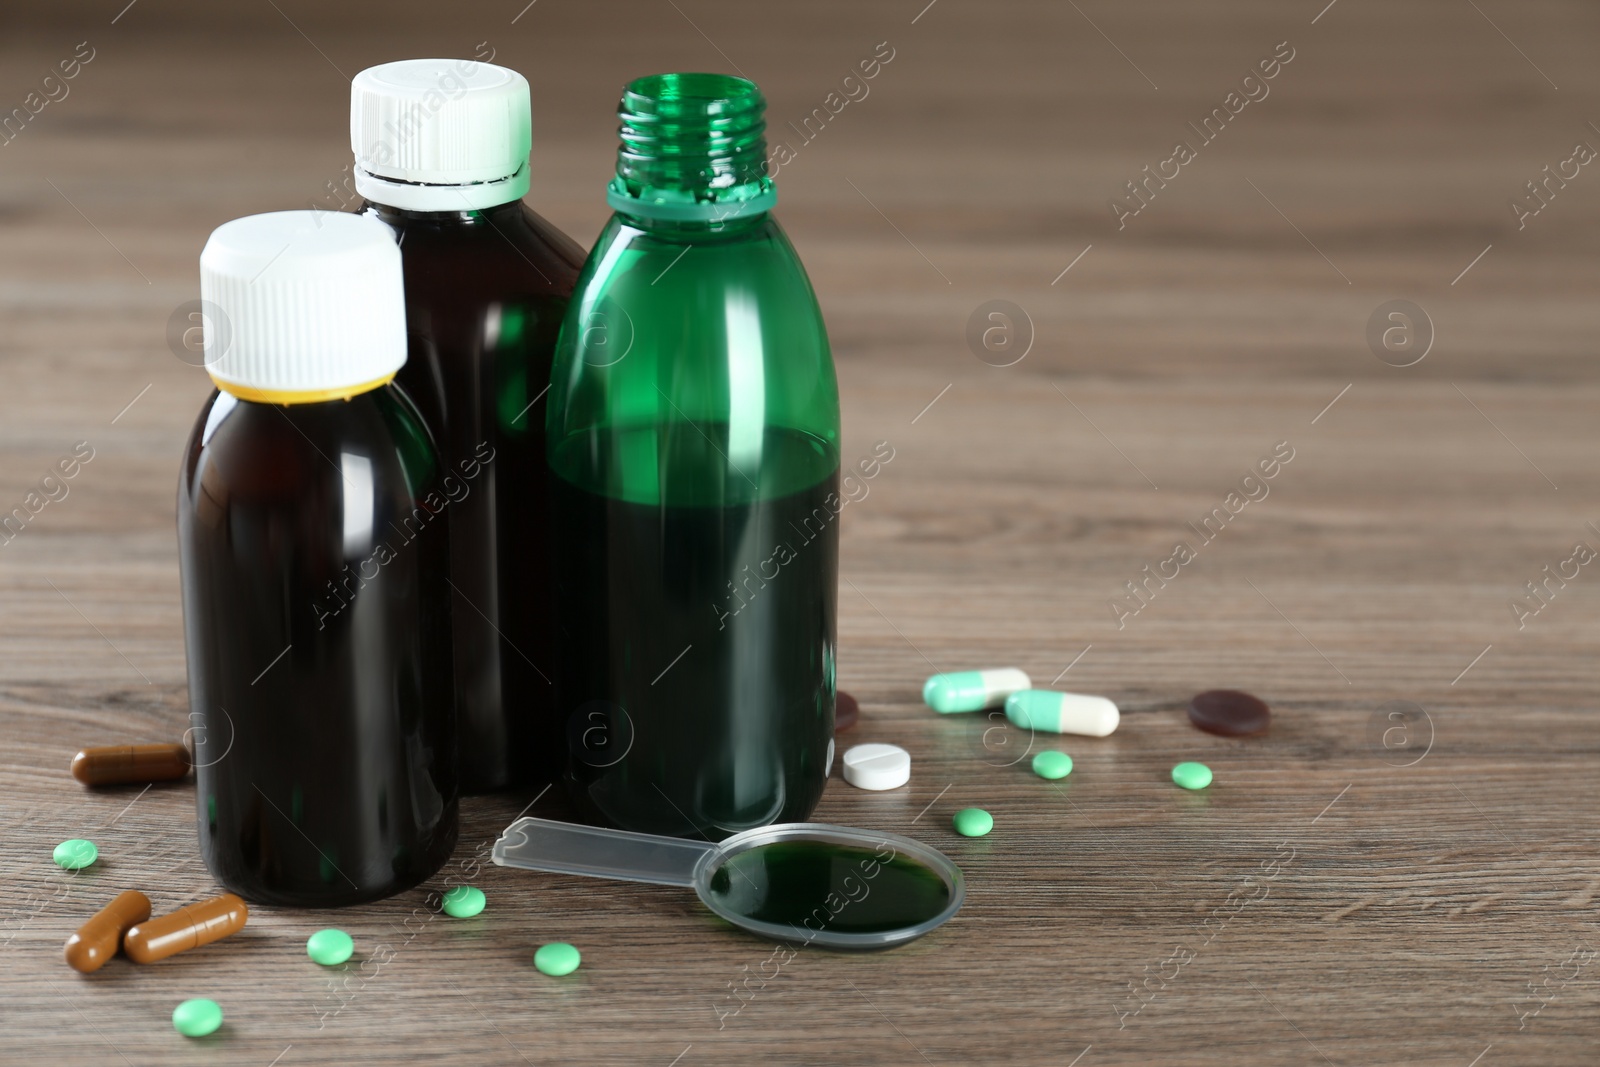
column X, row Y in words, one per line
column 122, row 764
column 188, row 927
column 97, row 940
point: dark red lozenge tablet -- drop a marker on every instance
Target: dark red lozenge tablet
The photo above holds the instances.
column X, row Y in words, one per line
column 1230, row 713
column 845, row 712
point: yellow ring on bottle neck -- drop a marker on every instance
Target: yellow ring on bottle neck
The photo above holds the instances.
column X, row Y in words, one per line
column 300, row 396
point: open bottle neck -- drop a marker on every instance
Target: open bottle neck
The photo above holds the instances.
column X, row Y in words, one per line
column 692, row 156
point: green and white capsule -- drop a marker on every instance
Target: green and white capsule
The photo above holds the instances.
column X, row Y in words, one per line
column 1062, row 713
column 973, row 690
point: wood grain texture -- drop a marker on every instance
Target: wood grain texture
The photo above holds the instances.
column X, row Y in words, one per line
column 1326, row 900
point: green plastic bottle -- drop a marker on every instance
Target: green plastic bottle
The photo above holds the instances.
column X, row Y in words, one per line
column 693, row 444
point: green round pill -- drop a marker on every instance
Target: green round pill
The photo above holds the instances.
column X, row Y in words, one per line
column 329, row 947
column 464, row 901
column 75, row 854
column 556, row 959
column 1192, row 775
column 973, row 822
column 197, row 1018
column 1052, row 764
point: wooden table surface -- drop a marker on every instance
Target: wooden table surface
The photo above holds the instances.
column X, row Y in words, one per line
column 1344, row 893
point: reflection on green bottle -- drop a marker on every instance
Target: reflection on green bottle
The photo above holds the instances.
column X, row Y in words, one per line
column 694, row 450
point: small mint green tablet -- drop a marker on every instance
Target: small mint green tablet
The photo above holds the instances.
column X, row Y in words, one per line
column 329, row 947
column 1192, row 775
column 1052, row 764
column 464, row 901
column 197, row 1018
column 556, row 959
column 973, row 822
column 76, row 854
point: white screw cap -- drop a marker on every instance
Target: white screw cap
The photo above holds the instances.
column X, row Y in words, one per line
column 302, row 302
column 440, row 134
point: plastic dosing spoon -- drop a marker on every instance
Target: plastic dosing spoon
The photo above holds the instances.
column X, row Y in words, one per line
column 812, row 882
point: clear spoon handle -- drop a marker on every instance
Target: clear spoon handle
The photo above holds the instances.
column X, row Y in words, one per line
column 621, row 855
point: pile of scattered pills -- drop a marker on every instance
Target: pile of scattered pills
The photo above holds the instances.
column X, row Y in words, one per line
column 126, row 921
column 1227, row 712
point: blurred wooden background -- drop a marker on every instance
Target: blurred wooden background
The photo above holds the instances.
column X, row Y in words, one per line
column 1328, row 899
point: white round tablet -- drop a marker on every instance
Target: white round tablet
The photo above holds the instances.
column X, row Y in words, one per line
column 877, row 766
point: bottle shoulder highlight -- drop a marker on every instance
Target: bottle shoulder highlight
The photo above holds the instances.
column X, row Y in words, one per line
column 490, row 254
column 282, row 453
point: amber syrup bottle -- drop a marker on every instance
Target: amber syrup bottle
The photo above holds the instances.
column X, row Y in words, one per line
column 441, row 149
column 315, row 556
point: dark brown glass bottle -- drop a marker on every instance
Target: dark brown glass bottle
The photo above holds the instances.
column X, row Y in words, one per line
column 487, row 283
column 314, row 554
column 323, row 669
